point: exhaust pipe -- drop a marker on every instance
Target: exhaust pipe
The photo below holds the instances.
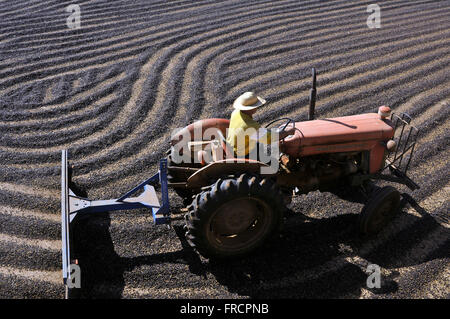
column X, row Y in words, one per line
column 312, row 96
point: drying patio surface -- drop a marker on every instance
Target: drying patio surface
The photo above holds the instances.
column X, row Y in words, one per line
column 112, row 92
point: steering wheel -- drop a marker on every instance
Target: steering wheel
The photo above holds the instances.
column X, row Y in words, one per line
column 287, row 121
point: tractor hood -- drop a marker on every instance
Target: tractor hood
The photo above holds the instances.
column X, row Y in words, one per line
column 340, row 134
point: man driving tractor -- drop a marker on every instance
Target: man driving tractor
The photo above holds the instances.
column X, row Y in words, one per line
column 244, row 133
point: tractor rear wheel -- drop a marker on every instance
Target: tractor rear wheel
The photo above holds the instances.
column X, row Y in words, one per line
column 381, row 207
column 234, row 217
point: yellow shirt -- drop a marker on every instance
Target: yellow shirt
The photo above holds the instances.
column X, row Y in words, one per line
column 244, row 132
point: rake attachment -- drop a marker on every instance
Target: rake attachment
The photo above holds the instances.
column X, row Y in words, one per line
column 73, row 205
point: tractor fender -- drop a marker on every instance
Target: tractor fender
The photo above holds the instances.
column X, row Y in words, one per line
column 231, row 166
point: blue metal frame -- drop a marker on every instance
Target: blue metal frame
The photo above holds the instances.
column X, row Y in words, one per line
column 71, row 205
column 65, row 219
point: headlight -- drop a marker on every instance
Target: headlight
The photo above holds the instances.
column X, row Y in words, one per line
column 391, row 145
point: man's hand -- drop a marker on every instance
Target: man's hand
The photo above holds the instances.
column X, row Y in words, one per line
column 290, row 130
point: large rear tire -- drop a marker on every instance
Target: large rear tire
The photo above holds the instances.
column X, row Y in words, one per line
column 380, row 209
column 234, row 217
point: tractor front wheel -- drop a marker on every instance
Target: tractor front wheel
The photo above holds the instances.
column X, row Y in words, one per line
column 234, row 217
column 381, row 207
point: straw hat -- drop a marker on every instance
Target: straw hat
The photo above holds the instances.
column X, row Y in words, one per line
column 248, row 101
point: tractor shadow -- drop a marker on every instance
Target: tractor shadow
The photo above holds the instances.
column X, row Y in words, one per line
column 312, row 257
column 102, row 269
column 305, row 262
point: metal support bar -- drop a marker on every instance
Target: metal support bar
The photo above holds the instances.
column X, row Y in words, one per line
column 399, row 141
column 65, row 222
column 152, row 179
column 312, row 96
column 397, row 177
column 98, row 206
column 162, row 216
column 409, row 159
column 183, row 169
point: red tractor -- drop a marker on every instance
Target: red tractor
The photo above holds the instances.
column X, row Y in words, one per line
column 233, row 208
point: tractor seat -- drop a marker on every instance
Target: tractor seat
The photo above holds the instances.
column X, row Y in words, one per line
column 218, row 148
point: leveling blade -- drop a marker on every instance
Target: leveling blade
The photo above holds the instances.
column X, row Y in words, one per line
column 73, row 205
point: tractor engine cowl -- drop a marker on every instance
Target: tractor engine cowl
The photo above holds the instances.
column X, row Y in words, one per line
column 361, row 132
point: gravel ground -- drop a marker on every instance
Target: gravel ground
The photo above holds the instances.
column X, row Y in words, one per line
column 112, row 91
